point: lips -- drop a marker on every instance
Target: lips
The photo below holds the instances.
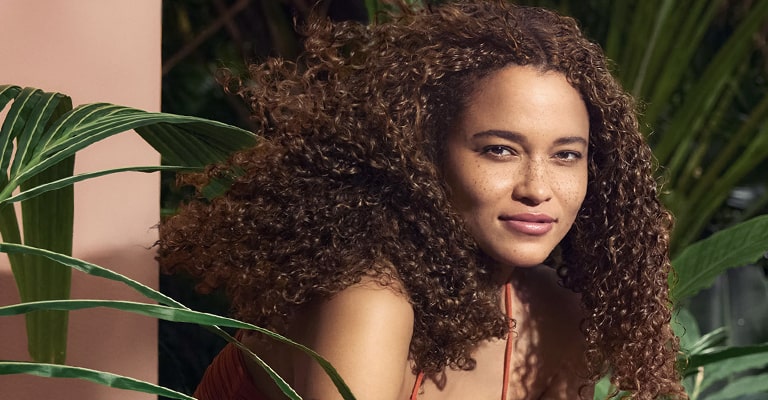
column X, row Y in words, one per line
column 529, row 223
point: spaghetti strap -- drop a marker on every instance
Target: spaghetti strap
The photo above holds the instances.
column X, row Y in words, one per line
column 507, row 350
column 508, row 347
column 416, row 386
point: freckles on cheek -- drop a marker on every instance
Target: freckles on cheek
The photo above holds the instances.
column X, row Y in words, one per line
column 579, row 196
column 475, row 181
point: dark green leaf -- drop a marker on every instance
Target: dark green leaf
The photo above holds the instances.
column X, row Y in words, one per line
column 178, row 315
column 102, row 378
column 699, row 264
column 708, row 342
column 38, row 190
column 731, row 367
column 152, row 294
column 699, row 360
column 741, row 387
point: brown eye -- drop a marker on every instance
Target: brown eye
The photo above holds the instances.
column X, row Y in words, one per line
column 498, row 151
column 568, row 155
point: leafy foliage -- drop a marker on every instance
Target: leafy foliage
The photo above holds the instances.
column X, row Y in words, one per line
column 699, row 264
column 168, row 309
column 100, row 377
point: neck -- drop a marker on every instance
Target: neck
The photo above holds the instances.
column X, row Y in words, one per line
column 502, row 275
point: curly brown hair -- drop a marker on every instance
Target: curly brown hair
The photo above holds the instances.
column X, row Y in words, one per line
column 345, row 184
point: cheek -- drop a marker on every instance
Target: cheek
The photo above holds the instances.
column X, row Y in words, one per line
column 468, row 185
column 467, row 194
column 485, row 187
column 574, row 191
column 571, row 188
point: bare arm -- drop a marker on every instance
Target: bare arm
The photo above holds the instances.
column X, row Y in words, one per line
column 365, row 332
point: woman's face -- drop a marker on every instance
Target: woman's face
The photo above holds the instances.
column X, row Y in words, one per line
column 516, row 162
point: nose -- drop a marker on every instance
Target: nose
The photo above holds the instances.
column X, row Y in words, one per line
column 533, row 187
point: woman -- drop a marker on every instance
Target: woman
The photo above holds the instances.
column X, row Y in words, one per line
column 411, row 180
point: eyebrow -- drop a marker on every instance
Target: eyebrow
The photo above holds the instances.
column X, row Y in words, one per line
column 520, row 138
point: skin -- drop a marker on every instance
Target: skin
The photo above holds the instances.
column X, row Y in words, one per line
column 519, row 147
column 518, row 156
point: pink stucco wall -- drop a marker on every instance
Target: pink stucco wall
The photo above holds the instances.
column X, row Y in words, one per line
column 93, row 50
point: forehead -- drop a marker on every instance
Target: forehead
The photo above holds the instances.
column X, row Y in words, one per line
column 527, row 97
column 518, row 80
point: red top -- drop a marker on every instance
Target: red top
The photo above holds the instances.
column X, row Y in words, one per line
column 227, row 378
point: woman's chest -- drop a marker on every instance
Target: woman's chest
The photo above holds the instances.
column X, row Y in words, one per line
column 545, row 343
column 534, row 360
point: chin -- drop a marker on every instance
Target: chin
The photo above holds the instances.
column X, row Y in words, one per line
column 529, row 264
column 518, row 255
column 520, row 261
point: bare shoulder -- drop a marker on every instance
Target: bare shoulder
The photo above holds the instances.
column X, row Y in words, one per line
column 365, row 303
column 365, row 332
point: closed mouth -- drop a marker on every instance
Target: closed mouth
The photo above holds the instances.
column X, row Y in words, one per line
column 526, row 217
column 529, row 224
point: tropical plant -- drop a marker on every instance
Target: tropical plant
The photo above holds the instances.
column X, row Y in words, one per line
column 40, row 137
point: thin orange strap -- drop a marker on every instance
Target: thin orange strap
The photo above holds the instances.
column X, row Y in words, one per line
column 416, row 386
column 508, row 348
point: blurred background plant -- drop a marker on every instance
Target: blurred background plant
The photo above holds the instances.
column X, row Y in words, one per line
column 697, row 68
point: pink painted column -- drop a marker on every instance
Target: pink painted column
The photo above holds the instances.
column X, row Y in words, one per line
column 94, row 51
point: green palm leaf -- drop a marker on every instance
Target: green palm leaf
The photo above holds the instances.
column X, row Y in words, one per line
column 103, row 378
column 28, row 117
column 47, row 137
column 169, row 309
column 39, row 139
column 691, row 76
column 757, row 355
column 71, row 180
column 725, row 364
column 182, row 140
column 709, row 87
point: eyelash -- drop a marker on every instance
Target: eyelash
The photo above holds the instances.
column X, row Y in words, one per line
column 575, row 155
column 495, row 150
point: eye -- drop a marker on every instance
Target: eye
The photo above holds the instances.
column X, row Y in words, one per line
column 498, row 151
column 568, row 155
